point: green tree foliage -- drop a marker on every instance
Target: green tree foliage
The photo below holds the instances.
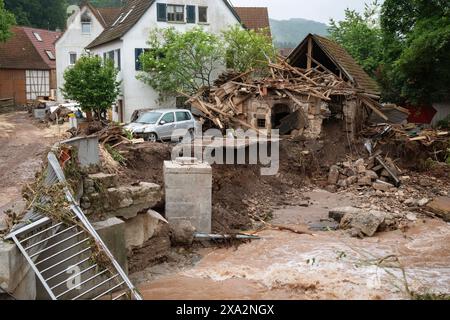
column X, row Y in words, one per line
column 187, row 61
column 92, row 83
column 6, row 21
column 417, row 45
column 180, row 61
column 247, row 49
column 361, row 36
column 45, row 14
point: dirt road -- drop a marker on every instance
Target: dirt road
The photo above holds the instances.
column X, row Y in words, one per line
column 329, row 265
column 23, row 145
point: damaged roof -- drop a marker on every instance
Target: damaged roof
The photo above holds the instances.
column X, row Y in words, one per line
column 341, row 59
column 254, row 18
column 132, row 12
column 29, row 48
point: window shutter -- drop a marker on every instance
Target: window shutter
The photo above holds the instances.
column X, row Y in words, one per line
column 161, row 10
column 190, row 14
column 137, row 54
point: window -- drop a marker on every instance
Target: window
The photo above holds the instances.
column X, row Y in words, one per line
column 149, row 118
column 175, row 13
column 86, row 28
column 37, row 36
column 72, row 58
column 50, row 55
column 86, row 23
column 137, row 60
column 111, row 55
column 202, row 14
column 261, row 123
column 168, row 118
column 183, row 116
column 119, row 62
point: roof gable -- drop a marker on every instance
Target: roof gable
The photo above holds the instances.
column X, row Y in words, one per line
column 24, row 51
column 133, row 12
column 327, row 51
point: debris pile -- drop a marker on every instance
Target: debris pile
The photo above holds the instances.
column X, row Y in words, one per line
column 382, row 174
column 409, row 132
column 224, row 104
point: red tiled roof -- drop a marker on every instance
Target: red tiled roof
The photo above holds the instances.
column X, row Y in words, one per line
column 24, row 51
column 254, row 18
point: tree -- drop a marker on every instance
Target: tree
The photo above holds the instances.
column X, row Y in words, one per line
column 361, row 36
column 247, row 49
column 92, row 83
column 416, row 37
column 44, row 14
column 181, row 61
column 6, row 21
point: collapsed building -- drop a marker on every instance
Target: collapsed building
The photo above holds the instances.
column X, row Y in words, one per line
column 319, row 83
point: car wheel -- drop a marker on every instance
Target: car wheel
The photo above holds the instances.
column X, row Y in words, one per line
column 152, row 137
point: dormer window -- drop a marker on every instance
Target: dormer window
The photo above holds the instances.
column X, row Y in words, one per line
column 86, row 23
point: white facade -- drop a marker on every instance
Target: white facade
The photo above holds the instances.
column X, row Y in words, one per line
column 136, row 94
column 73, row 42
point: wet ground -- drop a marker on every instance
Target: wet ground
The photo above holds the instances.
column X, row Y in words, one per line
column 328, row 265
column 22, row 146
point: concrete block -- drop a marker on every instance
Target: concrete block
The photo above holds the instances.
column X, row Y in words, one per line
column 88, row 153
column 26, row 290
column 188, row 190
column 112, row 232
column 141, row 228
column 13, row 267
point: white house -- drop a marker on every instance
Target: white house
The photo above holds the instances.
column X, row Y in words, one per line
column 126, row 38
column 83, row 26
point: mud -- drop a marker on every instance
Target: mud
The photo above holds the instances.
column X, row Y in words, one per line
column 328, row 265
column 23, row 146
column 240, row 194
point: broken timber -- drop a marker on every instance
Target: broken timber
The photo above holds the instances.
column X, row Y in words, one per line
column 223, row 104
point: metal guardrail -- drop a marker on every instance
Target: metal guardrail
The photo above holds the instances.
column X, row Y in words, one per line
column 62, row 254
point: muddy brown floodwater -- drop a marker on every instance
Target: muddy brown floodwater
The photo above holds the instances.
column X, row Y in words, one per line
column 328, row 265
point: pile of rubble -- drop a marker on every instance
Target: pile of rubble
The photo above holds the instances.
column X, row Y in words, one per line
column 380, row 174
column 224, row 103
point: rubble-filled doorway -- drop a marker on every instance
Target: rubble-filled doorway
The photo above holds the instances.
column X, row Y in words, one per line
column 279, row 112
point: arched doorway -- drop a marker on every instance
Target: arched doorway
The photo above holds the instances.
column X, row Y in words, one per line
column 279, row 112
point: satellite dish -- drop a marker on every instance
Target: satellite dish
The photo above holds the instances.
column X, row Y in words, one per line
column 72, row 9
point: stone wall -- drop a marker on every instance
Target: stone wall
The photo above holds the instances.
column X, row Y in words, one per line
column 315, row 109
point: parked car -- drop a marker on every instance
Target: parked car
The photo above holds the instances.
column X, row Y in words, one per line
column 161, row 124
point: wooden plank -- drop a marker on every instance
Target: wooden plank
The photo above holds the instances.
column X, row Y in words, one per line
column 310, row 49
column 371, row 104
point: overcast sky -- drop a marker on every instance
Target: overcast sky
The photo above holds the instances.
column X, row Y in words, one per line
column 318, row 10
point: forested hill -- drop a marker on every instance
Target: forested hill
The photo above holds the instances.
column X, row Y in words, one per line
column 289, row 33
